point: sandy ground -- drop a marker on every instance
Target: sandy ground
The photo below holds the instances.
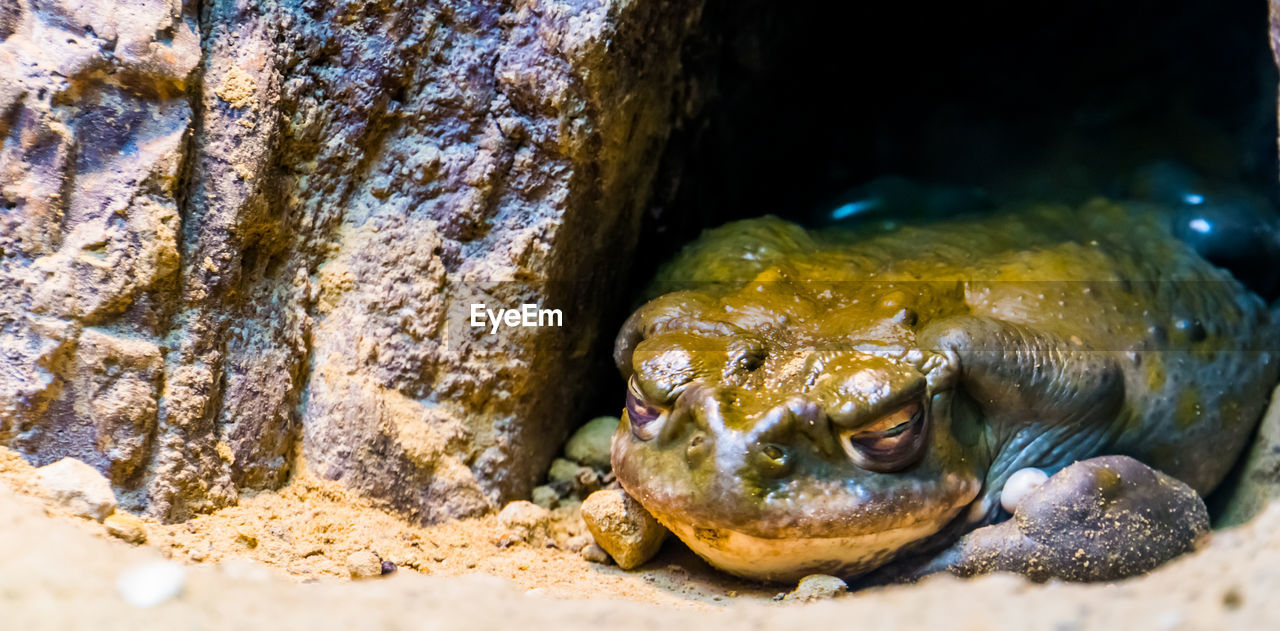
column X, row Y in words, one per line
column 278, row 561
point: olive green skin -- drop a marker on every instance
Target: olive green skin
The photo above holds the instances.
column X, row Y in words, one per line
column 1034, row 339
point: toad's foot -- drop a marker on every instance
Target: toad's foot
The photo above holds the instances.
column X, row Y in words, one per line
column 1099, row 519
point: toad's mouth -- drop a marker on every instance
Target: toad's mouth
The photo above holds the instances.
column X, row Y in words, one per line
column 790, row 559
column 820, row 534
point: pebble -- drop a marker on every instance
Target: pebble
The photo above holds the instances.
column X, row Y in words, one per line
column 127, row 527
column 364, row 564
column 1020, row 485
column 150, row 584
column 595, row 554
column 590, row 444
column 622, row 527
column 564, row 472
column 577, row 543
column 78, row 488
column 526, row 521
column 247, row 536
column 545, row 496
column 570, row 479
column 587, row 482
column 817, row 587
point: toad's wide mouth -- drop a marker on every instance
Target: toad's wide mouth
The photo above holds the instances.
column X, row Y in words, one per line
column 790, row 559
column 792, row 540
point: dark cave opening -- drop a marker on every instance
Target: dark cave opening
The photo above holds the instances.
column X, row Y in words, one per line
column 787, row 106
column 1027, row 100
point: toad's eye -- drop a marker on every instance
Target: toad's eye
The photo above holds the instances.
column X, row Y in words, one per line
column 892, row 443
column 642, row 414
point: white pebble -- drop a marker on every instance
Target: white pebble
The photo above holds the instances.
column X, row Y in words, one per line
column 817, row 587
column 78, row 488
column 150, row 584
column 1020, row 485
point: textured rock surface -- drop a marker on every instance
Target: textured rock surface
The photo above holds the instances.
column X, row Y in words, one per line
column 94, row 111
column 622, row 527
column 233, row 239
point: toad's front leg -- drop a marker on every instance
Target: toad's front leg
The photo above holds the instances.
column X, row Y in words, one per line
column 1043, row 401
column 1099, row 519
column 1020, row 375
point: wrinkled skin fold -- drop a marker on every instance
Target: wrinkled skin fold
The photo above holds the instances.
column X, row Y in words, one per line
column 838, row 401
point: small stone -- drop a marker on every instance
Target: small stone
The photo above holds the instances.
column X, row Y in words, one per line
column 150, row 584
column 364, row 564
column 1019, row 485
column 545, row 496
column 587, row 482
column 564, row 472
column 817, row 587
column 578, row 543
column 595, row 554
column 623, row 528
column 526, row 521
column 590, row 444
column 570, row 479
column 127, row 527
column 388, row 567
column 246, row 536
column 78, row 488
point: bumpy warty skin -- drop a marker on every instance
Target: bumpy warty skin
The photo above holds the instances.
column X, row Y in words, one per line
column 1029, row 339
column 233, row 234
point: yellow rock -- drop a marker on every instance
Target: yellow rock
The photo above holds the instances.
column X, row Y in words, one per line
column 127, row 527
column 622, row 527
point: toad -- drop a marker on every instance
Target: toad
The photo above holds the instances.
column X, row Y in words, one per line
column 1049, row 391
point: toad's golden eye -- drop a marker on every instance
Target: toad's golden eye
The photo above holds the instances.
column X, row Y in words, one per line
column 644, row 416
column 892, row 443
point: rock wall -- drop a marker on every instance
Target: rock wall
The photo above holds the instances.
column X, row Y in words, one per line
column 239, row 237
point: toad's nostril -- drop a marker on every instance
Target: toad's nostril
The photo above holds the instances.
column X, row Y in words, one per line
column 773, row 460
column 698, row 449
